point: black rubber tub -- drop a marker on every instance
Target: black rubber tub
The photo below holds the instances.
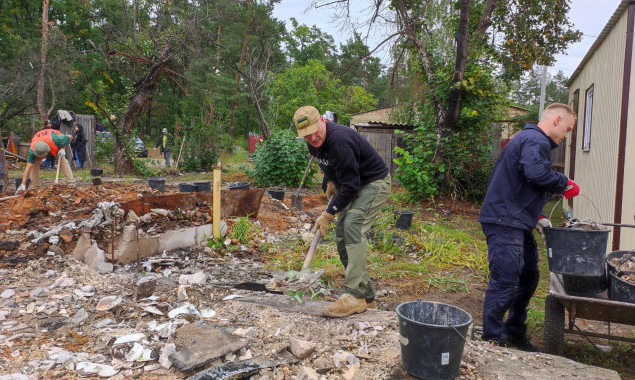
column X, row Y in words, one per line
column 619, row 289
column 187, row 188
column 576, row 251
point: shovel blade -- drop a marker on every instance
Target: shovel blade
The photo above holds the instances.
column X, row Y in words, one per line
column 296, row 202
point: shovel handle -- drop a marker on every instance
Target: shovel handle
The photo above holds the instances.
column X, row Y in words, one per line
column 311, row 252
column 304, row 176
column 314, row 243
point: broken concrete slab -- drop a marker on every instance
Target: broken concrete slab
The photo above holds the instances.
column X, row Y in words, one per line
column 199, row 343
column 83, row 244
column 145, row 287
column 301, row 348
column 132, row 246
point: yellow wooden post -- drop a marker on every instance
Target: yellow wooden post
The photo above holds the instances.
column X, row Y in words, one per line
column 216, row 202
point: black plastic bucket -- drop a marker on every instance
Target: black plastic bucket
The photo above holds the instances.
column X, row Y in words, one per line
column 403, row 219
column 157, row 183
column 432, row 336
column 576, row 251
column 576, row 285
column 96, row 181
column 619, row 289
column 203, row 186
column 187, row 188
column 239, row 186
column 96, row 172
column 277, row 193
column 18, row 182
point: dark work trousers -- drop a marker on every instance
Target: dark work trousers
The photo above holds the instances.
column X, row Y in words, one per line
column 513, row 278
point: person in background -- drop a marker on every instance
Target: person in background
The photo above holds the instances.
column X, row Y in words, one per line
column 165, row 141
column 49, row 162
column 330, row 116
column 44, row 142
column 78, row 144
column 357, row 182
column 522, row 182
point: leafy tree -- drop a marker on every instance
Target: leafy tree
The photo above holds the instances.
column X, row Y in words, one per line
column 306, row 43
column 527, row 91
column 357, row 67
column 503, row 39
column 314, row 85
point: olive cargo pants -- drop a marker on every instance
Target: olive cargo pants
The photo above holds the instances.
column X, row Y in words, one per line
column 350, row 235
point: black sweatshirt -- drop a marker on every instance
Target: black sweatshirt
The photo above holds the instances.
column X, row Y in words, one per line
column 347, row 159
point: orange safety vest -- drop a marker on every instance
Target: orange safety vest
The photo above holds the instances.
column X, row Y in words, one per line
column 45, row 135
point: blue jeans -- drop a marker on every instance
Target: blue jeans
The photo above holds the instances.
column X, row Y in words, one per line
column 513, row 278
column 166, row 154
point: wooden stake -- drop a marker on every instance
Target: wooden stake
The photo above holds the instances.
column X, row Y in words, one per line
column 59, row 161
column 216, row 202
column 180, row 151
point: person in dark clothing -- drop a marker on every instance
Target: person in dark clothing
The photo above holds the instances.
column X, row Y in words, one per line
column 165, row 141
column 78, row 144
column 359, row 182
column 521, row 184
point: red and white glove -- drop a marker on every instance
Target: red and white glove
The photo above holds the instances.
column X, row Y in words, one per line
column 572, row 190
column 542, row 223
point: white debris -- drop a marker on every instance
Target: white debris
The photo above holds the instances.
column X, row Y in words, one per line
column 186, row 308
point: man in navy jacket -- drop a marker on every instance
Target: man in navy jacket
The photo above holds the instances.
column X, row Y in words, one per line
column 521, row 184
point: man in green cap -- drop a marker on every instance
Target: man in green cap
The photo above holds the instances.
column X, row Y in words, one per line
column 44, row 142
column 359, row 181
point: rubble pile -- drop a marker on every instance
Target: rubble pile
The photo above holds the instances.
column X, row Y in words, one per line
column 185, row 313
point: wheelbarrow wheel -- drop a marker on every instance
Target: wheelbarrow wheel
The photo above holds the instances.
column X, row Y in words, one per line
column 554, row 326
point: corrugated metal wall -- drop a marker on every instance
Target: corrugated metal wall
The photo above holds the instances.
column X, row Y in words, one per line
column 88, row 122
column 596, row 169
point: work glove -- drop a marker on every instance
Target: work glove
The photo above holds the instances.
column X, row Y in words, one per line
column 323, row 222
column 62, row 152
column 542, row 223
column 330, row 189
column 20, row 190
column 572, row 190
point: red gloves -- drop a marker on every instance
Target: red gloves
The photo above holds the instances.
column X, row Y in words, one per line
column 572, row 190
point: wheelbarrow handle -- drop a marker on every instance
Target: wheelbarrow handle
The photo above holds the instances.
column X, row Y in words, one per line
column 618, row 225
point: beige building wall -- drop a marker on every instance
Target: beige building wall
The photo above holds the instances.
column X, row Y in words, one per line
column 381, row 114
column 596, row 168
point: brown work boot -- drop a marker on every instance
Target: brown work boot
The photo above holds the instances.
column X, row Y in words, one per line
column 371, row 305
column 346, row 305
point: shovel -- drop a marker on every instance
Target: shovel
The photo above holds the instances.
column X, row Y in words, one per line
column 293, row 281
column 296, row 199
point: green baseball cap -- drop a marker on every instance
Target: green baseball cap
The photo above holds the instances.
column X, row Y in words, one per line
column 306, row 120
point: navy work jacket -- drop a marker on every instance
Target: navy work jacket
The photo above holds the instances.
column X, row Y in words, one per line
column 522, row 181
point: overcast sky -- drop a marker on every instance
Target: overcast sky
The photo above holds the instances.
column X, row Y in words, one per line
column 589, row 16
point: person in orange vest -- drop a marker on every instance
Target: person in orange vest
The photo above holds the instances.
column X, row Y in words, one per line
column 44, row 142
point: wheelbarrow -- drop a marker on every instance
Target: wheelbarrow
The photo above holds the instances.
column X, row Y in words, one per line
column 597, row 307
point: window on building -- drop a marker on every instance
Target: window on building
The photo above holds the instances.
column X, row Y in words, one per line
column 588, row 117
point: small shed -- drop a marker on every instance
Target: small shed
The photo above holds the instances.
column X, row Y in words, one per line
column 383, row 138
column 383, row 114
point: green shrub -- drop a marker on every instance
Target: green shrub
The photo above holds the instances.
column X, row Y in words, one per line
column 281, row 160
column 104, row 149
